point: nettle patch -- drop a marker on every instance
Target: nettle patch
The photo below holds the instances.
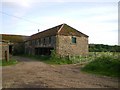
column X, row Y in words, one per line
column 104, row 63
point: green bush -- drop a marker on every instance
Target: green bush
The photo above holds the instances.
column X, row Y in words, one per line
column 54, row 59
column 105, row 65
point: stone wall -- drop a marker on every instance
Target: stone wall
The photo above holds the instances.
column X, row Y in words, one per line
column 62, row 44
column 18, row 49
column 65, row 47
column 4, row 54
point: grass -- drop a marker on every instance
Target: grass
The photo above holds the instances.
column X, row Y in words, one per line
column 60, row 61
column 52, row 59
column 105, row 64
column 10, row 62
column 49, row 59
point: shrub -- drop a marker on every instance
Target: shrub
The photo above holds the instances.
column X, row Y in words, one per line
column 105, row 64
column 55, row 59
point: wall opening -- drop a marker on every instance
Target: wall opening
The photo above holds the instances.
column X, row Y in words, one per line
column 43, row 51
column 74, row 40
column 10, row 49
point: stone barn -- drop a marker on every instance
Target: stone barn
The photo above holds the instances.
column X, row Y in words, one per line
column 64, row 39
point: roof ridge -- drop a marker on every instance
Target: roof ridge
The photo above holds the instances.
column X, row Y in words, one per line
column 72, row 28
column 61, row 28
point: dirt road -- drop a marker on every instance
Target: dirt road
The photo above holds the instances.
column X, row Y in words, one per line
column 35, row 74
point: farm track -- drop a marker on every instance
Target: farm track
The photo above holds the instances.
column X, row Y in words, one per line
column 29, row 73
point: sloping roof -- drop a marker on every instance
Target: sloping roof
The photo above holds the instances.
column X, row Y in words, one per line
column 62, row 29
column 49, row 32
column 14, row 38
column 68, row 30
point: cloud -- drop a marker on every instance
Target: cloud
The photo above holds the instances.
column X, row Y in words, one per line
column 21, row 3
column 24, row 3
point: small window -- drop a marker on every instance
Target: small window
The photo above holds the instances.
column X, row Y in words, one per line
column 30, row 42
column 39, row 41
column 44, row 41
column 35, row 42
column 73, row 39
column 49, row 40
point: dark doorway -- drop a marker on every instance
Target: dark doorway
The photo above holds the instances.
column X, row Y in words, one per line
column 10, row 49
column 43, row 51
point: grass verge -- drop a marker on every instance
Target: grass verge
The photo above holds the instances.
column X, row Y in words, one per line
column 10, row 62
column 49, row 59
column 104, row 65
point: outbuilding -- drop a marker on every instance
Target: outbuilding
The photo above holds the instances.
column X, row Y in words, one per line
column 63, row 39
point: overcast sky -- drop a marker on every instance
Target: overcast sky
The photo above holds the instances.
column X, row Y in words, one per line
column 96, row 18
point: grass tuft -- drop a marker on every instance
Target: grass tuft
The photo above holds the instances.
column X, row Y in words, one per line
column 10, row 62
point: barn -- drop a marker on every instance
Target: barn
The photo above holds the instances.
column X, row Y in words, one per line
column 63, row 39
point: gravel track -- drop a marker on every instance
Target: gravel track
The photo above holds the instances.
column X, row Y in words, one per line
column 29, row 73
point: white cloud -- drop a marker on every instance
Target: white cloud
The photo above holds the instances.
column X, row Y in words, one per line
column 22, row 3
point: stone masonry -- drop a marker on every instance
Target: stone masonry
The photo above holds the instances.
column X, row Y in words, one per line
column 65, row 40
column 4, row 51
column 65, row 46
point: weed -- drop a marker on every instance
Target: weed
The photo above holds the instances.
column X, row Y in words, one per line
column 10, row 62
column 104, row 64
